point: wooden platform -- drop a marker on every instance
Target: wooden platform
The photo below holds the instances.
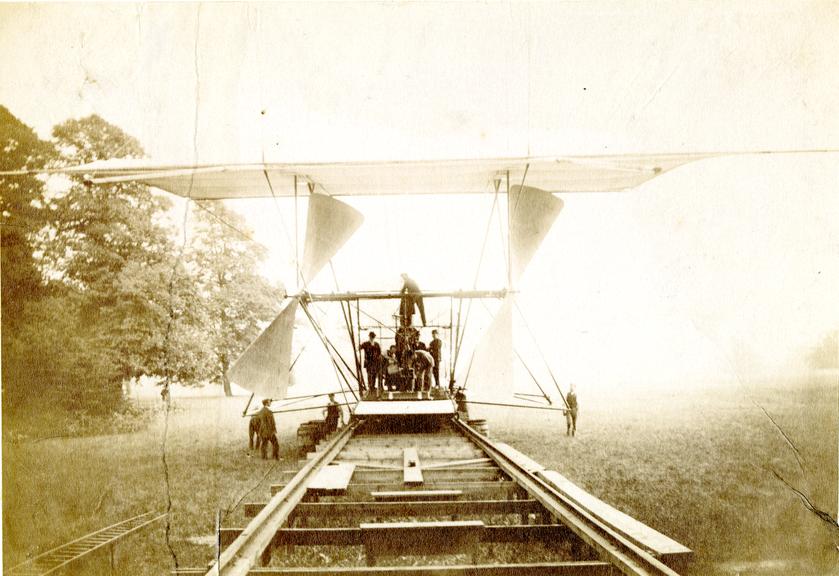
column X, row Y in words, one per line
column 404, row 407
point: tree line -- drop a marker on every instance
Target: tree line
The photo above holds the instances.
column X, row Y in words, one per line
column 100, row 286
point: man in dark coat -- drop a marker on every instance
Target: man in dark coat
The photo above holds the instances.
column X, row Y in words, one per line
column 571, row 413
column 411, row 297
column 372, row 361
column 253, row 432
column 435, row 347
column 268, row 431
column 333, row 414
column 460, row 400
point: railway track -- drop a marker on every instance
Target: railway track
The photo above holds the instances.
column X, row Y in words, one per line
column 433, row 496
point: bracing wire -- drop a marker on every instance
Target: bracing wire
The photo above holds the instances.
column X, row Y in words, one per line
column 542, row 354
column 462, row 332
column 225, row 222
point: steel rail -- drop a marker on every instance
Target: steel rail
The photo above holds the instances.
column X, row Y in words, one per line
column 624, row 554
column 257, row 537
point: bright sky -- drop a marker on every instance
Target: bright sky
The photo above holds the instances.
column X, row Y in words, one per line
column 719, row 270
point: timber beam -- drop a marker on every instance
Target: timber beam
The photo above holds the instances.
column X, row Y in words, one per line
column 352, row 536
column 583, row 568
column 416, row 508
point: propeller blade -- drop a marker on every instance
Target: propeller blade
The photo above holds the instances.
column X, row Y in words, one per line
column 329, row 225
column 532, row 213
column 263, row 368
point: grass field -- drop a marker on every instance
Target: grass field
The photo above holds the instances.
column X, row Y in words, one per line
column 695, row 465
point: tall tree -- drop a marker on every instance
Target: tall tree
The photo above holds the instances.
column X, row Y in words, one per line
column 108, row 242
column 238, row 300
column 21, row 216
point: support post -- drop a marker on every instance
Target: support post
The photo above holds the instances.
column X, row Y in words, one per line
column 297, row 277
column 509, row 237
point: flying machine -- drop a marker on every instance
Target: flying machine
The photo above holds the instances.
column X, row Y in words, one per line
column 411, row 475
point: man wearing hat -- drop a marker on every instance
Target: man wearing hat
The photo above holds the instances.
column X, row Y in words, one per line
column 268, row 431
column 372, row 360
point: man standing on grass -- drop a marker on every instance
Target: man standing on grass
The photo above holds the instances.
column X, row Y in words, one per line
column 268, row 431
column 254, row 439
column 333, row 413
column 571, row 413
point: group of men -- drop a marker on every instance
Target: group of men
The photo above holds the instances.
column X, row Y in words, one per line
column 262, row 429
column 409, row 362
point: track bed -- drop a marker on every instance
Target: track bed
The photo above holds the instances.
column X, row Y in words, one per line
column 426, row 496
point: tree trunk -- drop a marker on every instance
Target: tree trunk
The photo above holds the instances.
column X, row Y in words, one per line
column 224, row 381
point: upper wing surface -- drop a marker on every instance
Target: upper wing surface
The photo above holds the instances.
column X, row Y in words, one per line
column 558, row 174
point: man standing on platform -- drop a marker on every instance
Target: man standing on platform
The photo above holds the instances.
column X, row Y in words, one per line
column 411, row 296
column 423, row 363
column 372, row 360
column 436, row 350
column 268, row 431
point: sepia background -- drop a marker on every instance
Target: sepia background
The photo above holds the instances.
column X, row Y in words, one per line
column 696, row 314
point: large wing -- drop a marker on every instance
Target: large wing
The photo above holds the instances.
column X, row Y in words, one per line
column 556, row 174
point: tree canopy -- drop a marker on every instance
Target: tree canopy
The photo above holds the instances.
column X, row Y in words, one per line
column 98, row 287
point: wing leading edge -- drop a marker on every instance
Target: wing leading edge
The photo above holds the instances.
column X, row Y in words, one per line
column 556, row 174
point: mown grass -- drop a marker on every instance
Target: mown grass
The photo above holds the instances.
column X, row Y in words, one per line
column 695, row 465
column 58, row 489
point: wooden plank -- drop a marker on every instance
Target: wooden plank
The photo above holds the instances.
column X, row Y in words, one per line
column 456, row 464
column 370, row 465
column 433, row 475
column 333, row 479
column 352, row 536
column 419, row 508
column 391, row 495
column 411, row 470
column 579, row 568
column 427, row 464
column 420, row 538
column 499, row 488
column 395, row 453
column 638, row 532
column 427, row 476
